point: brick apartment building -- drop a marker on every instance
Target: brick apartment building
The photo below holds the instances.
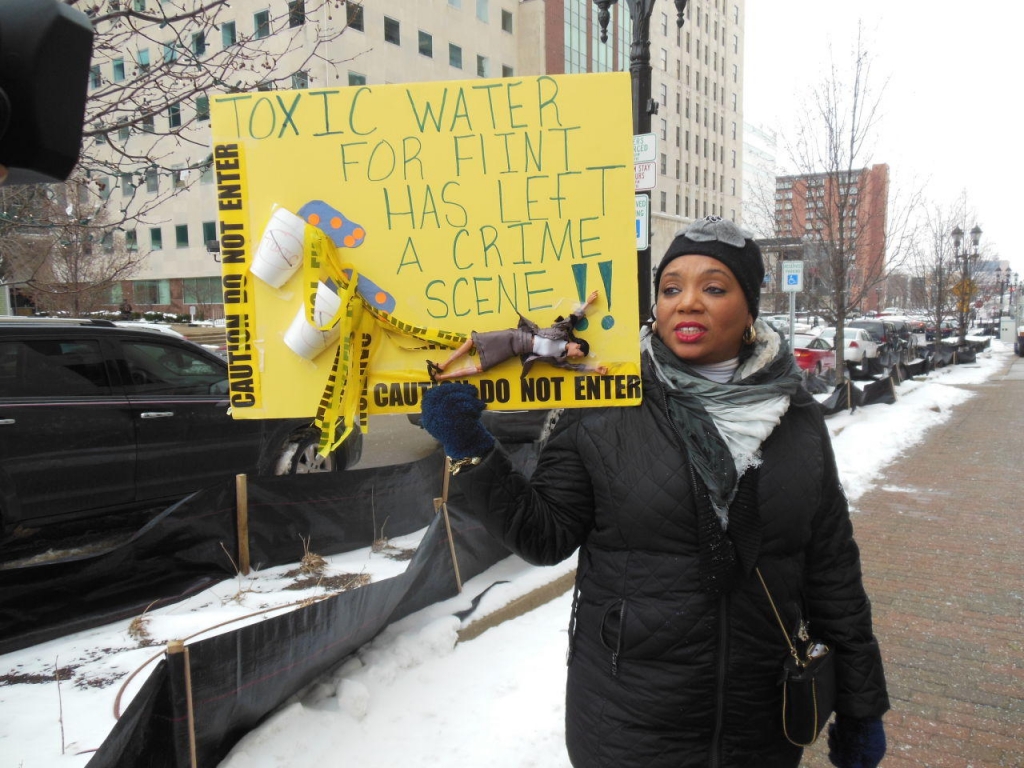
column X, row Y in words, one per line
column 839, row 208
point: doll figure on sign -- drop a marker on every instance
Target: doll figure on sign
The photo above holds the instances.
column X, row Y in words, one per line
column 556, row 345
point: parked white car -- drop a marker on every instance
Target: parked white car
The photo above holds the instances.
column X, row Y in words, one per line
column 858, row 342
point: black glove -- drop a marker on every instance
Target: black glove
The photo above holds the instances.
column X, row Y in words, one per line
column 855, row 743
column 451, row 414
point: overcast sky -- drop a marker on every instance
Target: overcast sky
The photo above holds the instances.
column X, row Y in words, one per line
column 951, row 107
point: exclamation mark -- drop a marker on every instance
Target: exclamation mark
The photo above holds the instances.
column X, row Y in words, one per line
column 579, row 274
column 605, row 268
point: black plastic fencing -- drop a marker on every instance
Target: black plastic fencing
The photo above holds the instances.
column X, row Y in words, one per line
column 202, row 697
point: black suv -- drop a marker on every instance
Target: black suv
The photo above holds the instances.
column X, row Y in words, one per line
column 97, row 418
column 886, row 334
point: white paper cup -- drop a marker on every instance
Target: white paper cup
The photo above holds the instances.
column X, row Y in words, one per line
column 279, row 254
column 307, row 340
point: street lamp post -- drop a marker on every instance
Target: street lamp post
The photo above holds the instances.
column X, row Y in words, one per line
column 643, row 105
column 1002, row 282
column 965, row 258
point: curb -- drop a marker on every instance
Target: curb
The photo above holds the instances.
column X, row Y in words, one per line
column 520, row 606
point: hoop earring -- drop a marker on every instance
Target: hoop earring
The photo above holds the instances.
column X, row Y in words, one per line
column 749, row 335
column 654, row 327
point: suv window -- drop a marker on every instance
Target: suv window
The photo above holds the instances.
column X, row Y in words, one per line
column 52, row 368
column 159, row 369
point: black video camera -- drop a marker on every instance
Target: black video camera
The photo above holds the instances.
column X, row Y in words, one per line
column 45, row 50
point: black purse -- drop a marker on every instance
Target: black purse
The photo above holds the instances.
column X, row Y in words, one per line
column 808, row 683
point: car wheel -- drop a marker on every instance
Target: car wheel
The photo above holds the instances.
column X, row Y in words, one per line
column 299, row 457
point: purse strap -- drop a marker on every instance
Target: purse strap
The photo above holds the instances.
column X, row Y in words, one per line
column 778, row 618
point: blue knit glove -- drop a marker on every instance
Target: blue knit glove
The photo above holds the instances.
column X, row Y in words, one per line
column 854, row 743
column 451, row 414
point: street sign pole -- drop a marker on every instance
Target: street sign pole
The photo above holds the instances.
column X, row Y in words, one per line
column 792, row 283
column 645, row 154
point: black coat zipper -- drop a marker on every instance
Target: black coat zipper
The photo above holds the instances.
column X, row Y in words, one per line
column 715, row 752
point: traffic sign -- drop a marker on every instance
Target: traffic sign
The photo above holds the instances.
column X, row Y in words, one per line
column 645, row 148
column 792, row 276
column 646, row 176
column 643, row 222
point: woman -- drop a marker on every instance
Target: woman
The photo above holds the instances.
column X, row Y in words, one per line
column 675, row 654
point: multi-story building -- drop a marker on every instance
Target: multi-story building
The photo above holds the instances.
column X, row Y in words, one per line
column 697, row 83
column 845, row 213
column 760, row 166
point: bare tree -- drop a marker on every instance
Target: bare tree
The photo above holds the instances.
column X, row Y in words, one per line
column 858, row 243
column 155, row 64
column 67, row 257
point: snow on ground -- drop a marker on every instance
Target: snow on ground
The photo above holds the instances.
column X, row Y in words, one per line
column 414, row 691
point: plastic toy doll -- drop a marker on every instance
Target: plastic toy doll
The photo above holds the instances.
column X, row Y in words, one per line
column 556, row 345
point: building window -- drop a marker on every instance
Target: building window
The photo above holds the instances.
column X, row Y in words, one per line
column 506, row 21
column 148, row 124
column 482, row 11
column 300, row 79
column 95, row 78
column 663, row 165
column 663, row 59
column 152, row 292
column 506, row 71
column 199, row 43
column 454, row 56
column 131, row 240
column 174, row 115
column 178, row 177
column 123, row 133
column 354, row 16
column 663, row 201
column 355, row 78
column 664, row 130
column 181, row 235
column 201, row 290
column 426, row 44
column 126, row 184
column 170, row 52
column 455, row 3
column 483, row 66
column 296, row 13
column 663, row 90
column 227, row 34
column 152, row 180
column 143, row 60
column 118, row 70
column 156, row 238
column 202, row 107
column 261, row 24
column 209, row 231
column 392, row 31
column 206, row 171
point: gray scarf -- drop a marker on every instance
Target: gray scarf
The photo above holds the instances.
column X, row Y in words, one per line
column 722, row 426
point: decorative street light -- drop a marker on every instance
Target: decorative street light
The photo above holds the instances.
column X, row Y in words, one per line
column 1002, row 282
column 966, row 259
column 643, row 105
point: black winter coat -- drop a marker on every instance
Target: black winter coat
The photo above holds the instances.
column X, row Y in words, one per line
column 661, row 673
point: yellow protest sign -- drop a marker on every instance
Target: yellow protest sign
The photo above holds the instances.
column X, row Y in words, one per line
column 367, row 230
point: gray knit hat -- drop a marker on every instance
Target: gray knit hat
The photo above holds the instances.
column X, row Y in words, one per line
column 721, row 239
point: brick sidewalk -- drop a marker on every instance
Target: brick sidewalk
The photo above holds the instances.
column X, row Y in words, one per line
column 942, row 543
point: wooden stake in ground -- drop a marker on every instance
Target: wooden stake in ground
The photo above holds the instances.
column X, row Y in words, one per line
column 242, row 516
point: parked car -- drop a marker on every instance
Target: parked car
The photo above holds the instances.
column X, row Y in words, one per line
column 813, row 353
column 97, row 419
column 882, row 331
column 857, row 342
column 947, row 328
